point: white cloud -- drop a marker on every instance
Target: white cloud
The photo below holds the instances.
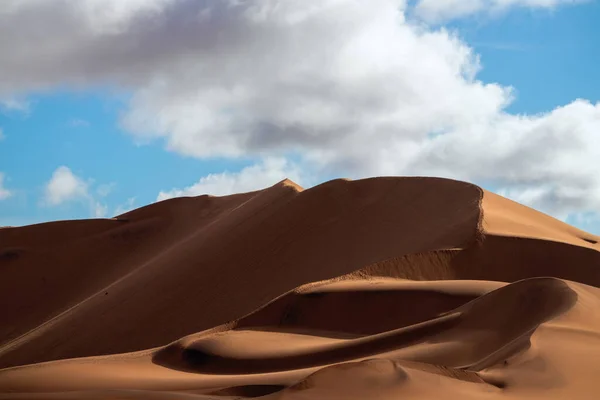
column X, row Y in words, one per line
column 105, row 189
column 348, row 87
column 2, row 136
column 125, row 207
column 341, row 75
column 13, row 104
column 443, row 10
column 100, row 210
column 79, row 123
column 4, row 192
column 546, row 161
column 254, row 177
column 64, row 186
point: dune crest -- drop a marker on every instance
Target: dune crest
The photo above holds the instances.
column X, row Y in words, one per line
column 292, row 184
column 376, row 288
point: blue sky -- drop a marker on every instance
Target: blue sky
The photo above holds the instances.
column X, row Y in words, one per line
column 550, row 57
column 144, row 123
column 80, row 130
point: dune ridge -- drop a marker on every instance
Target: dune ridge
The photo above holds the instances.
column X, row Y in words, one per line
column 391, row 284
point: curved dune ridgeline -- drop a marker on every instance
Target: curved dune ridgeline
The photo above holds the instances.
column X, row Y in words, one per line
column 377, row 288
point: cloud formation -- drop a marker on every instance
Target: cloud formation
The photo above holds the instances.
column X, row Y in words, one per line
column 350, row 88
column 100, row 210
column 8, row 104
column 105, row 189
column 4, row 192
column 66, row 187
column 125, row 207
column 254, row 177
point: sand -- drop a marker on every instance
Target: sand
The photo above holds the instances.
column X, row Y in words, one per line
column 380, row 288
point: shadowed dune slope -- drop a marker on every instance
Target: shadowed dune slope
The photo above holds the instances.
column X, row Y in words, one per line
column 376, row 288
column 138, row 281
column 521, row 340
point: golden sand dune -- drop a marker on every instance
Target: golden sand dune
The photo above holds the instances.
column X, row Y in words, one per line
column 380, row 288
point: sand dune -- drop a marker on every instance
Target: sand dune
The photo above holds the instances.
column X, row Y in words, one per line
column 377, row 288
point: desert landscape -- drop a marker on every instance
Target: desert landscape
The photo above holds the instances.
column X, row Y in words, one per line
column 382, row 288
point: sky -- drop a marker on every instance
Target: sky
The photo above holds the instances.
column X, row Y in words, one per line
column 109, row 105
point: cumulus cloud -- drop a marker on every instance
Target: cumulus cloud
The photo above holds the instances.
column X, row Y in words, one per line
column 352, row 88
column 64, row 186
column 125, row 207
column 100, row 210
column 254, row 177
column 547, row 161
column 443, row 10
column 4, row 192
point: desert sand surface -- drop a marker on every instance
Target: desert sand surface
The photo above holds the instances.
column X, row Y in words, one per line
column 382, row 288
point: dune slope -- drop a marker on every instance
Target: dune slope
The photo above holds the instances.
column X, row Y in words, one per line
column 352, row 289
